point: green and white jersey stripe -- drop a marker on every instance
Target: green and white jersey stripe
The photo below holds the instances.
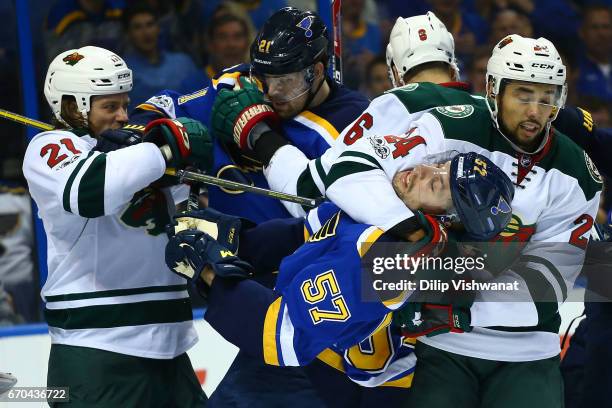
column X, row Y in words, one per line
column 108, row 286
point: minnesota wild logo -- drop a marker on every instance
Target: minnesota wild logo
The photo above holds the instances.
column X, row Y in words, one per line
column 148, row 209
column 73, row 58
column 516, row 231
column 456, row 111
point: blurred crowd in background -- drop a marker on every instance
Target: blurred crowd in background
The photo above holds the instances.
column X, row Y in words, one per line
column 182, row 44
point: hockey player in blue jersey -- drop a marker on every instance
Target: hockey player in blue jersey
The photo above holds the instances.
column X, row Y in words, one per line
column 316, row 310
column 292, row 47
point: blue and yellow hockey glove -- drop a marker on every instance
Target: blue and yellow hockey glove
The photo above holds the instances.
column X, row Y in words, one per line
column 189, row 251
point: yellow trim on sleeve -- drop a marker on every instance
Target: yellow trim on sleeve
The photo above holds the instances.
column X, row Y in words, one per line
column 365, row 246
column 270, row 351
column 321, row 122
column 306, row 234
column 234, row 75
column 332, row 359
column 69, row 19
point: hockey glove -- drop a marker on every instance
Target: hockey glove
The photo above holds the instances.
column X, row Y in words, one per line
column 236, row 112
column 428, row 319
column 114, row 139
column 222, row 227
column 183, row 142
column 189, row 251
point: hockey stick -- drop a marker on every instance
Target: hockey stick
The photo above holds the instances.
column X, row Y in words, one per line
column 15, row 117
column 192, row 176
column 337, row 36
column 189, row 177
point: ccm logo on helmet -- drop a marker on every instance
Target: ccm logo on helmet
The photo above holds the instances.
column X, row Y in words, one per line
column 122, row 76
column 541, row 65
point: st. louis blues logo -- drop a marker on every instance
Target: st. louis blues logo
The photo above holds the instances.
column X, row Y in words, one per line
column 305, row 24
column 501, row 207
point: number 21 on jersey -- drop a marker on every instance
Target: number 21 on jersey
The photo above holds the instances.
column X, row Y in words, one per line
column 53, row 150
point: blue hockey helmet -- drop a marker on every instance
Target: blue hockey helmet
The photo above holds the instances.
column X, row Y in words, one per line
column 481, row 193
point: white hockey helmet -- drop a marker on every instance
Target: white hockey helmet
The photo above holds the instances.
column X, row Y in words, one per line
column 83, row 73
column 526, row 59
column 417, row 40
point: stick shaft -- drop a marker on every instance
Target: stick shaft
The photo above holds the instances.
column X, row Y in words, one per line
column 190, row 176
column 24, row 120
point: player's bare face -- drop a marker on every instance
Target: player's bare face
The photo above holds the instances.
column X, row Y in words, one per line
column 425, row 187
column 525, row 109
column 108, row 112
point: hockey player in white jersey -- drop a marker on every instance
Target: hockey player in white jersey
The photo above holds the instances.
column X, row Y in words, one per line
column 514, row 343
column 120, row 324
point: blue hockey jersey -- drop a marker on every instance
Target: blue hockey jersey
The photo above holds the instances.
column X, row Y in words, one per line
column 312, row 131
column 317, row 308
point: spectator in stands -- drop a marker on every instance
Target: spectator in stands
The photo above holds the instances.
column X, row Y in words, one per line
column 16, row 249
column 362, row 41
column 154, row 69
column 377, row 78
column 76, row 23
column 468, row 29
column 509, row 21
column 227, row 45
column 477, row 70
column 595, row 77
column 179, row 22
column 258, row 10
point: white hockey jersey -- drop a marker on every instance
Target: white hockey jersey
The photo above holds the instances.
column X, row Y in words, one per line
column 108, row 286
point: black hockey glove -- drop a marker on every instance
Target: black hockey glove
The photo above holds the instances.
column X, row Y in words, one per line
column 114, row 139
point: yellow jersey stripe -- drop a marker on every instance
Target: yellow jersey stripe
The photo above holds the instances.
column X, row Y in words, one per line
column 332, row 359
column 363, row 246
column 321, row 122
column 270, row 350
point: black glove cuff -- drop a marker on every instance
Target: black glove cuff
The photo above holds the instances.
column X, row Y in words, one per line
column 267, row 145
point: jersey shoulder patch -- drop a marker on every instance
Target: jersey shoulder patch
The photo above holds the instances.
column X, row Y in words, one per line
column 570, row 159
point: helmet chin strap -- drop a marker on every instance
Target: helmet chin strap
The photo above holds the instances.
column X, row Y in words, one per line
column 311, row 94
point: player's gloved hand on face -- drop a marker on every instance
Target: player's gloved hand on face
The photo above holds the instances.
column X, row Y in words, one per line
column 429, row 319
column 237, row 113
column 114, row 139
column 183, row 142
column 189, row 251
column 222, row 227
